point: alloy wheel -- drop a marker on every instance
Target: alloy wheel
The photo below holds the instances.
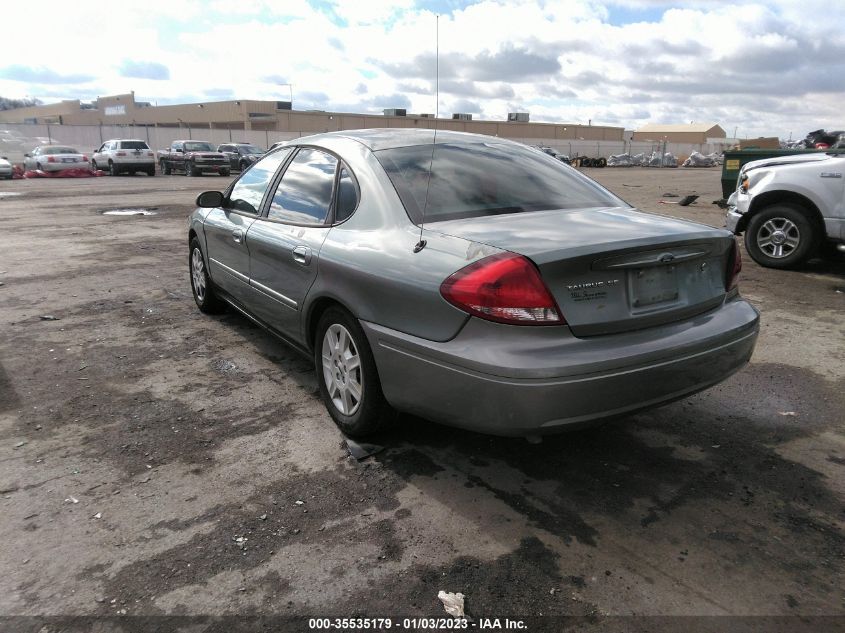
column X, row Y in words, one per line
column 778, row 237
column 198, row 274
column 342, row 369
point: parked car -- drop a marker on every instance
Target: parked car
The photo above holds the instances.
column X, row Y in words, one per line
column 6, row 168
column 789, row 207
column 124, row 155
column 54, row 158
column 194, row 158
column 500, row 291
column 241, row 155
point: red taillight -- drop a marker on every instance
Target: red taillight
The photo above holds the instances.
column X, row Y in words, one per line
column 149, row 153
column 734, row 267
column 51, row 159
column 506, row 288
column 120, row 154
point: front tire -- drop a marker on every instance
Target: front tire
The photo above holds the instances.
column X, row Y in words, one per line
column 347, row 374
column 165, row 168
column 781, row 236
column 201, row 285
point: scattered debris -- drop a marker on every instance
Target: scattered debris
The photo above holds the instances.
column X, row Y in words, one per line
column 19, row 444
column 71, row 500
column 224, row 365
column 697, row 159
column 671, row 195
column 716, row 446
column 99, row 515
column 687, row 200
column 299, row 503
column 362, row 450
column 788, row 413
column 49, row 317
column 453, row 603
column 263, row 517
column 553, row 591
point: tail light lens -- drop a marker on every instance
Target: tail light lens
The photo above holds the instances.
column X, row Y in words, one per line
column 51, row 159
column 734, row 267
column 505, row 288
column 149, row 153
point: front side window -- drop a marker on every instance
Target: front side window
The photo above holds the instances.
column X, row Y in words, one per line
column 304, row 194
column 478, row 179
column 250, row 188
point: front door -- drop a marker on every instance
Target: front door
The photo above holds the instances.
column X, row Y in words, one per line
column 286, row 241
column 226, row 228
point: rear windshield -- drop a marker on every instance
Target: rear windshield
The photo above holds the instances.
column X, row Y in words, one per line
column 59, row 150
column 133, row 145
column 472, row 180
column 199, row 147
column 251, row 149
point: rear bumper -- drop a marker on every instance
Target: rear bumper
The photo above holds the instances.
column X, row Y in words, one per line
column 511, row 380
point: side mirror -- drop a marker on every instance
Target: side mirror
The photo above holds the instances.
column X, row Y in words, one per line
column 210, row 199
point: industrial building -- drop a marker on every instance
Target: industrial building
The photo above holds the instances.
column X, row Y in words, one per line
column 692, row 133
column 278, row 116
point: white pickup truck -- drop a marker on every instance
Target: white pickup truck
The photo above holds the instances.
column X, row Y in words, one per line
column 790, row 208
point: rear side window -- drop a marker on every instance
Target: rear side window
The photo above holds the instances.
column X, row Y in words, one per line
column 472, row 180
column 248, row 192
column 305, row 191
column 133, row 145
column 347, row 196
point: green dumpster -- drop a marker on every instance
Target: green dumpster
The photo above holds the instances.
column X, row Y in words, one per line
column 735, row 159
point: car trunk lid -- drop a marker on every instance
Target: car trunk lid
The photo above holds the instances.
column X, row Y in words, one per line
column 612, row 269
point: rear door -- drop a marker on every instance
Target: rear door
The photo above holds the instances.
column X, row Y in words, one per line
column 285, row 242
column 226, row 227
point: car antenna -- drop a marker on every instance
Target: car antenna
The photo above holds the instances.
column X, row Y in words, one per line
column 421, row 244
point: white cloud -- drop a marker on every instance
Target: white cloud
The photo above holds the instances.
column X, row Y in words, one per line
column 765, row 67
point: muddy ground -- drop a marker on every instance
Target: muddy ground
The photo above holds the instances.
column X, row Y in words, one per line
column 157, row 461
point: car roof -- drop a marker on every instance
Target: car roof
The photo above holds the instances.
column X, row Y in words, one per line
column 387, row 138
column 134, row 140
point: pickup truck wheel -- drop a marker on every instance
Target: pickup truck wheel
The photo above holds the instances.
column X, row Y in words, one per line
column 165, row 168
column 781, row 236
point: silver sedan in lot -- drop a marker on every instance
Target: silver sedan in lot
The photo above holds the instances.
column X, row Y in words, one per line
column 54, row 158
column 472, row 280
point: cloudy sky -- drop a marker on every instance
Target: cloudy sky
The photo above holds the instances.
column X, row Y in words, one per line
column 772, row 67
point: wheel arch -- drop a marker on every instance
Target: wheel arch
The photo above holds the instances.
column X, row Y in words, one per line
column 769, row 198
column 314, row 311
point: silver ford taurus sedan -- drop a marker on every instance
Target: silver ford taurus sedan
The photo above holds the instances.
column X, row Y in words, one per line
column 474, row 281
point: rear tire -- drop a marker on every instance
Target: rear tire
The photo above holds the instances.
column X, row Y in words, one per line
column 151, row 171
column 347, row 375
column 781, row 236
column 165, row 168
column 201, row 285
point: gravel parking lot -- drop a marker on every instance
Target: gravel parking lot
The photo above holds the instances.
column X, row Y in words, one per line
column 157, row 461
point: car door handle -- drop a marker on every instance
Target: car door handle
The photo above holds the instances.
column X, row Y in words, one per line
column 238, row 236
column 302, row 255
